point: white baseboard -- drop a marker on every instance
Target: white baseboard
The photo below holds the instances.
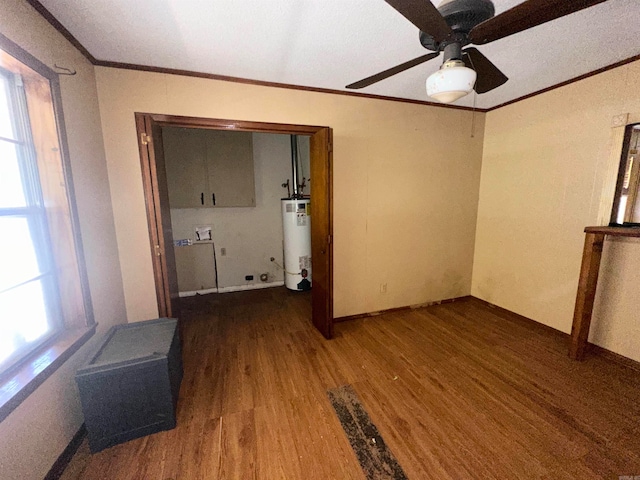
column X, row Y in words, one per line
column 238, row 288
column 250, row 286
column 193, row 293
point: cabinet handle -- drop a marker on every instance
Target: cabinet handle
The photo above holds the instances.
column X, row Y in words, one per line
column 202, row 198
column 213, row 197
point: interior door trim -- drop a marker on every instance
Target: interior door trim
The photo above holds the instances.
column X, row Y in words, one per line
column 144, row 123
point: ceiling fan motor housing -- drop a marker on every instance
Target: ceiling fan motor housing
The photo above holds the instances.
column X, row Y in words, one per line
column 461, row 16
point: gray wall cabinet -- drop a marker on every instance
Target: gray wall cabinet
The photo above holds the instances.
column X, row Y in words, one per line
column 209, row 168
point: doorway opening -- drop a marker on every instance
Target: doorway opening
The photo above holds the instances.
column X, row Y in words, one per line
column 152, row 131
column 626, row 203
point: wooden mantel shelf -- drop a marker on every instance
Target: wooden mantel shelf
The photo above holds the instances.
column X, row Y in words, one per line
column 591, row 256
column 615, row 231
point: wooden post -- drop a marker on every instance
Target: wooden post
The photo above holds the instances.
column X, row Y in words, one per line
column 586, row 294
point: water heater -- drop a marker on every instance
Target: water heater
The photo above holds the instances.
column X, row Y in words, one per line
column 296, row 224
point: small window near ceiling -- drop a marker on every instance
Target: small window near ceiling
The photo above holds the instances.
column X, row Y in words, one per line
column 41, row 275
column 626, row 205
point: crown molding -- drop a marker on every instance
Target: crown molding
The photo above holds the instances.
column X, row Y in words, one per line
column 225, row 78
column 48, row 16
column 567, row 82
column 42, row 10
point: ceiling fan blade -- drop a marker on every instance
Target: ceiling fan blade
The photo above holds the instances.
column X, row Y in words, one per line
column 424, row 15
column 489, row 76
column 392, row 71
column 524, row 16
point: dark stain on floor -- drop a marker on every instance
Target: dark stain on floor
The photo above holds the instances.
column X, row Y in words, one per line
column 375, row 458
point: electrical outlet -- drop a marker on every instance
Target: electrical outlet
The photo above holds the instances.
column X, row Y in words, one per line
column 383, row 288
column 223, row 252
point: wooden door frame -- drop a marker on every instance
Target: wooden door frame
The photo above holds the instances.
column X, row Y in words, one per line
column 144, row 120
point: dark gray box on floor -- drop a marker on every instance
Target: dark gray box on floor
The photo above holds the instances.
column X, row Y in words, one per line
column 129, row 388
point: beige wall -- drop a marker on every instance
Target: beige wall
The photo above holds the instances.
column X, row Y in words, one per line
column 405, row 183
column 33, row 435
column 405, row 192
column 543, row 172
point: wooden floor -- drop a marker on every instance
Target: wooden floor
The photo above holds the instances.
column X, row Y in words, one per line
column 457, row 391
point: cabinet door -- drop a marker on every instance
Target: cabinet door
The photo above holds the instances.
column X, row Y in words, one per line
column 185, row 152
column 230, row 169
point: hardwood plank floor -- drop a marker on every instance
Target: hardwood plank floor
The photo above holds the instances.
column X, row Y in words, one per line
column 459, row 390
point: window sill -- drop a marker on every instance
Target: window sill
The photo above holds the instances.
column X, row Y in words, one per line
column 17, row 387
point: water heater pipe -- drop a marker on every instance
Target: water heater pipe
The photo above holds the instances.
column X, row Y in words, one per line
column 294, row 166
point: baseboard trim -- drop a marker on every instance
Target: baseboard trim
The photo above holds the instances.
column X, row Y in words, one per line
column 613, row 356
column 591, row 347
column 193, row 293
column 238, row 288
column 533, row 323
column 58, row 468
column 251, row 286
column 398, row 309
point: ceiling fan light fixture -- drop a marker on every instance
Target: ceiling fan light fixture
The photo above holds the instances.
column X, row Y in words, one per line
column 453, row 81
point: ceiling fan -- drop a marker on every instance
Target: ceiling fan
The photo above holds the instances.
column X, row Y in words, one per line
column 458, row 23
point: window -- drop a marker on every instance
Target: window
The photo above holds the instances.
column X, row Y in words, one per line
column 43, row 294
column 626, row 205
column 29, row 299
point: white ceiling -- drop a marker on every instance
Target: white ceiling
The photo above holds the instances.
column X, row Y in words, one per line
column 331, row 43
